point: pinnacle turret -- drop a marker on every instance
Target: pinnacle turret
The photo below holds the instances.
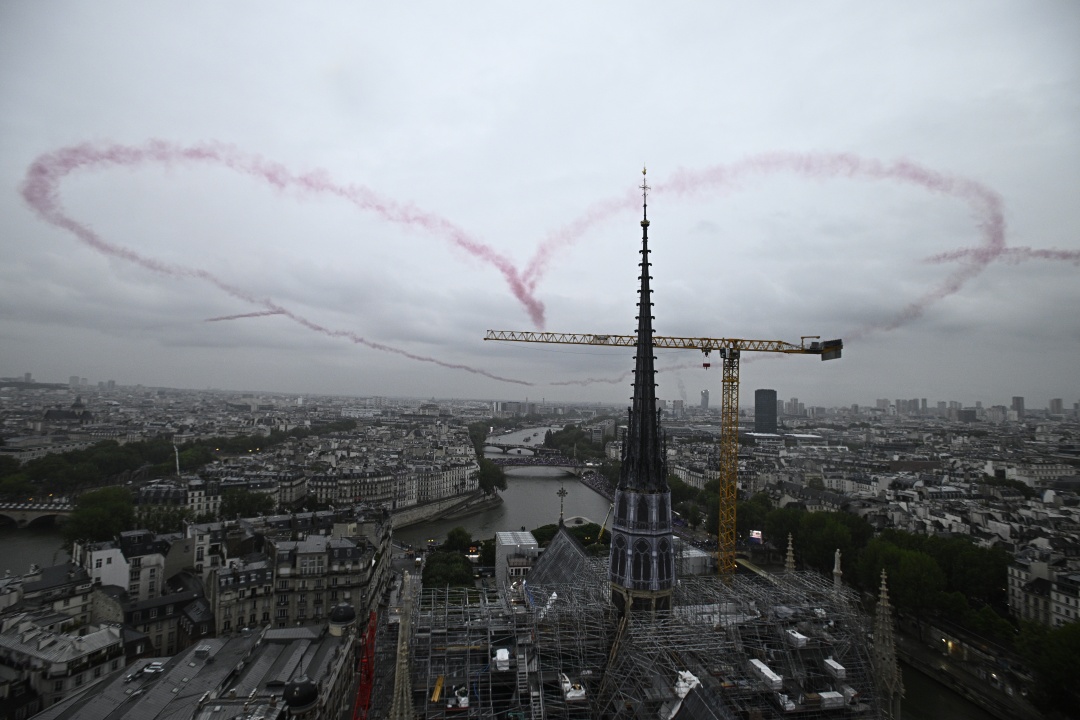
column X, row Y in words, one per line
column 885, row 664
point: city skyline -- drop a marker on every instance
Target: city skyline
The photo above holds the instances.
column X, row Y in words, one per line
column 283, row 201
column 1062, row 405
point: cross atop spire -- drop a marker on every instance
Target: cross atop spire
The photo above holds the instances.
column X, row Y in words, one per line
column 644, row 198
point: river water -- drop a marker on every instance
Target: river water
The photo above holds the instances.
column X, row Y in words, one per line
column 40, row 545
column 530, row 500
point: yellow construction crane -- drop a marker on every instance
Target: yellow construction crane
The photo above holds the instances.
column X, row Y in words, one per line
column 729, row 349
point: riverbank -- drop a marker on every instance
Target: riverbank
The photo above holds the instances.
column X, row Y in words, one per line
column 445, row 509
column 957, row 677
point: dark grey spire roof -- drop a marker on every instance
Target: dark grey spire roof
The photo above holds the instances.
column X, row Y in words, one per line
column 644, row 466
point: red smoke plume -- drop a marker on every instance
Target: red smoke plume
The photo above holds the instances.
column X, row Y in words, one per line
column 720, row 180
column 241, row 316
column 41, row 192
column 45, row 174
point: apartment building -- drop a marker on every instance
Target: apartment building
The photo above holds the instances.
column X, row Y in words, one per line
column 240, row 594
column 138, row 561
column 315, row 574
column 37, row 647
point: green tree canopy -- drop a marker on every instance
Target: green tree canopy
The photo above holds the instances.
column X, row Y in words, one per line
column 1054, row 655
column 491, row 477
column 442, row 569
column 574, row 442
column 161, row 519
column 457, row 540
column 99, row 515
column 239, row 502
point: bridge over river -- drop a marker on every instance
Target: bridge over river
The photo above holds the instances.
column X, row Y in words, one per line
column 27, row 513
column 555, row 462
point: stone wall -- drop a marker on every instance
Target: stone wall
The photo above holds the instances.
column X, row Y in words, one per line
column 445, row 507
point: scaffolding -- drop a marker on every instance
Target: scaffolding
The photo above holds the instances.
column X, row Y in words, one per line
column 786, row 646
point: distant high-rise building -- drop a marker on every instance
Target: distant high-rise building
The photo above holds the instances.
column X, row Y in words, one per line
column 705, row 399
column 765, row 411
column 1057, row 407
column 922, row 406
column 678, row 407
column 28, row 377
column 73, row 382
column 1018, row 406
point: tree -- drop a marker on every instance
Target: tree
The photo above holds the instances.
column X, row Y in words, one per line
column 447, row 569
column 491, row 477
column 750, row 514
column 8, row 465
column 680, row 491
column 99, row 515
column 239, row 502
column 820, row 535
column 458, row 540
column 1054, row 655
column 162, row 519
column 781, row 522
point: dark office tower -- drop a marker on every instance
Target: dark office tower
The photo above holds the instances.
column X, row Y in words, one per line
column 765, row 411
column 642, row 560
column 704, row 399
column 1018, row 406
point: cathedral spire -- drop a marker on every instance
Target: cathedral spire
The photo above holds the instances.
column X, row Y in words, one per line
column 644, row 467
column 642, row 561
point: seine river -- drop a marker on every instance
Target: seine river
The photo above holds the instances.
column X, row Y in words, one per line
column 38, row 545
column 530, row 500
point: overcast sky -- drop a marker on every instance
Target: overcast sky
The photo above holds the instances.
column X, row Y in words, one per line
column 382, row 183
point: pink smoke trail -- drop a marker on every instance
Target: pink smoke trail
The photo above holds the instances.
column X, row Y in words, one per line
column 1011, row 255
column 40, row 189
column 47, row 171
column 724, row 179
column 261, row 313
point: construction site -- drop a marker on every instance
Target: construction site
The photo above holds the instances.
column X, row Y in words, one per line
column 553, row 647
